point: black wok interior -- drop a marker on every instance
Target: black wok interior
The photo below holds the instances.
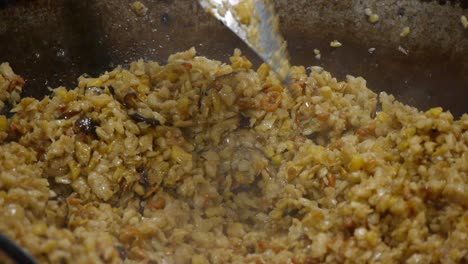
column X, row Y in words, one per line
column 51, row 43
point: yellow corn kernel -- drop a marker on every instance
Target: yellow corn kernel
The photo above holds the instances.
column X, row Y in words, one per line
column 405, row 32
column 357, row 162
column 74, row 169
column 436, row 111
column 277, row 214
column 409, row 132
column 263, row 71
column 316, row 151
column 326, row 91
column 246, row 63
column 139, row 8
column 25, row 102
column 64, row 94
column 441, row 150
column 172, row 76
column 383, row 117
column 403, row 146
column 373, row 18
column 49, row 246
column 372, row 238
column 100, row 100
column 240, row 62
column 269, row 152
column 3, row 123
column 335, row 44
column 69, row 97
column 127, row 77
column 97, row 82
column 179, row 155
column 235, row 63
column 277, row 159
column 244, row 11
column 143, row 88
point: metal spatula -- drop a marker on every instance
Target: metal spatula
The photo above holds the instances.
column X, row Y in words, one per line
column 260, row 30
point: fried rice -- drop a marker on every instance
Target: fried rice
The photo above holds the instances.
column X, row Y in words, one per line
column 198, row 161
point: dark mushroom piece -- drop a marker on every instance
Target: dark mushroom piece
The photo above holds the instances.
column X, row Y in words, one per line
column 85, row 125
column 143, row 119
column 111, row 90
column 130, row 100
column 244, row 121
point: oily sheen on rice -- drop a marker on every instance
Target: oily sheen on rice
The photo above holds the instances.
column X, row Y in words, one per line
column 198, row 161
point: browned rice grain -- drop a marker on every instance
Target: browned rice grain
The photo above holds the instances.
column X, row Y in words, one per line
column 238, row 171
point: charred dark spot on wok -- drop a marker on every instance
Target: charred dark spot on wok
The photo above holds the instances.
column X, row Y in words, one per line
column 85, row 125
column 462, row 3
column 401, row 11
column 4, row 3
column 165, row 18
column 143, row 119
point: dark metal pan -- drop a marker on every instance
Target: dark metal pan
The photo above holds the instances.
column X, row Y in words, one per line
column 51, row 43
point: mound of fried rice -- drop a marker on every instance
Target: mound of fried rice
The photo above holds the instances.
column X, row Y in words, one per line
column 199, row 161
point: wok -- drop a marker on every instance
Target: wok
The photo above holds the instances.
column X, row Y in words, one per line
column 51, row 43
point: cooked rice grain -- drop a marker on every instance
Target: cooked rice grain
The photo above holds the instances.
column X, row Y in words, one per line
column 198, row 161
